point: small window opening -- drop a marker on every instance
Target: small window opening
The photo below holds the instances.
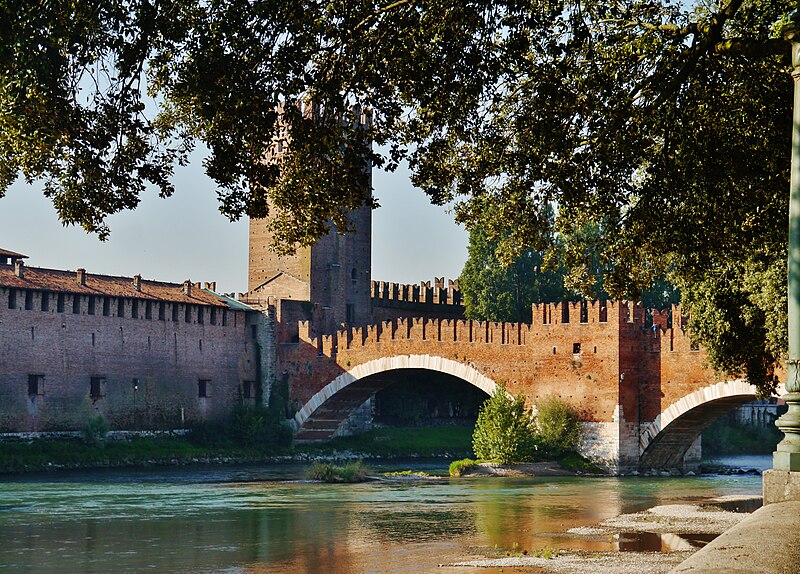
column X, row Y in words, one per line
column 148, row 310
column 60, row 303
column 162, row 311
column 203, row 388
column 565, row 312
column 187, row 314
column 76, row 304
column 175, row 312
column 45, row 302
column 200, row 315
column 134, row 309
column 576, row 348
column 91, row 305
column 28, row 300
column 97, row 387
column 224, row 318
column 354, row 274
column 351, row 313
column 213, row 315
column 554, row 350
column 603, row 312
column 247, row 389
column 35, row 385
column 584, row 312
column 12, row 299
column 106, row 306
column 120, row 307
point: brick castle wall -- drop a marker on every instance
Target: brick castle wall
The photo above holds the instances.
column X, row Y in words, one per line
column 168, row 358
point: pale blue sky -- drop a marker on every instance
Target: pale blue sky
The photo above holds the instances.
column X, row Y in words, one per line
column 185, row 237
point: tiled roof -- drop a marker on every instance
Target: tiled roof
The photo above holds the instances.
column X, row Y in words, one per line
column 56, row 280
column 7, row 253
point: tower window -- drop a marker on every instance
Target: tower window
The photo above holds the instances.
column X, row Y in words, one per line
column 91, row 305
column 45, row 302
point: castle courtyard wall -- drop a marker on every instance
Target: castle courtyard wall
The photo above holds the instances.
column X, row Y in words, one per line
column 148, row 371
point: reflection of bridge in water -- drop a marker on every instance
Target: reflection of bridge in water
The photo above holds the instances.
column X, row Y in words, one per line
column 642, row 391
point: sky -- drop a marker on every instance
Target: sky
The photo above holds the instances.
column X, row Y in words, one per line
column 185, row 236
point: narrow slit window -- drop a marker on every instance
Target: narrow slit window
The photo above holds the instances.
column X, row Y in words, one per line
column 203, row 388
column 76, row 304
column 35, row 385
column 12, row 299
column 134, row 309
column 45, row 302
column 28, row 300
column 60, row 303
column 91, row 302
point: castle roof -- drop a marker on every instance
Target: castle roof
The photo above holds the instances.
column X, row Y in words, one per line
column 59, row 281
column 11, row 254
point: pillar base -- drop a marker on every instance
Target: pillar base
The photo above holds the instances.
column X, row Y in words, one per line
column 787, row 461
column 780, row 486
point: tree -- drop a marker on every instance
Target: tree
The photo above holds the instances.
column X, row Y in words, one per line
column 504, row 431
column 495, row 292
column 665, row 124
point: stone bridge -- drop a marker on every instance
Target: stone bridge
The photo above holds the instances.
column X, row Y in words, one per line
column 642, row 392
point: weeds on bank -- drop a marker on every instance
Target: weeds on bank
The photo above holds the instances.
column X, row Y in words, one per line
column 326, row 472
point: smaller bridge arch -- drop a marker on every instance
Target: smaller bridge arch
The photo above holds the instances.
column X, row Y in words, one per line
column 664, row 441
column 321, row 415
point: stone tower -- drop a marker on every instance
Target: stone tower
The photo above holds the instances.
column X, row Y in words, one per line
column 334, row 274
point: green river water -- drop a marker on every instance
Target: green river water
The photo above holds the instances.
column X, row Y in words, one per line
column 266, row 519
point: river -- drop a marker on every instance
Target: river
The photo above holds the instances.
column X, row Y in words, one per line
column 260, row 519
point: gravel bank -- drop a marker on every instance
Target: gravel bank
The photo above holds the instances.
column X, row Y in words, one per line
column 667, row 521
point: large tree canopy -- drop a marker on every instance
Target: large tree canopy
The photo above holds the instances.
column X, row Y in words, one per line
column 664, row 123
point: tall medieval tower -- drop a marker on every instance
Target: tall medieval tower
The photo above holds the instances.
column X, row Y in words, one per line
column 334, row 274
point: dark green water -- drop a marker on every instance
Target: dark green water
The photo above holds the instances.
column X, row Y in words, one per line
column 262, row 519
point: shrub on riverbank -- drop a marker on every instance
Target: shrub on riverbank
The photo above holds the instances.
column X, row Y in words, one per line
column 505, row 430
column 557, row 425
column 326, row 472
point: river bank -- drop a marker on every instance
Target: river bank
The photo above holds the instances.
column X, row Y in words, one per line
column 666, row 534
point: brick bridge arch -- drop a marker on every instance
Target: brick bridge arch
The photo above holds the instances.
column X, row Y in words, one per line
column 664, row 441
column 329, row 407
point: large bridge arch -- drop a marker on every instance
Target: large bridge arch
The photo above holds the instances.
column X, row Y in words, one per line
column 324, row 411
column 664, row 442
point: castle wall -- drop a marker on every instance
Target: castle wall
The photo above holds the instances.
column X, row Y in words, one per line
column 168, row 355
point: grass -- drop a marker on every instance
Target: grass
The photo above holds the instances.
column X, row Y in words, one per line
column 459, row 467
column 400, row 442
column 45, row 453
column 349, row 473
column 574, row 462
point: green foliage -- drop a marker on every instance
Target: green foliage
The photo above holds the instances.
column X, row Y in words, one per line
column 726, row 436
column 96, row 431
column 558, row 425
column 574, row 462
column 459, row 467
column 495, row 292
column 400, row 442
column 248, row 426
column 663, row 125
column 505, row 430
column 326, row 472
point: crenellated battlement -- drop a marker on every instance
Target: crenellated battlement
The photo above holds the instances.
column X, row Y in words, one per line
column 385, row 293
column 581, row 321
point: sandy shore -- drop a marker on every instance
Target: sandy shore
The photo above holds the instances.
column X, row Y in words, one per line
column 669, row 522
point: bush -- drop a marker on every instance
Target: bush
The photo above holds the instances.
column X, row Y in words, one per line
column 558, row 425
column 459, row 467
column 504, row 431
column 96, row 431
column 326, row 472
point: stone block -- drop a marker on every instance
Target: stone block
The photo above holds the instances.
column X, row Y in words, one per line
column 780, row 486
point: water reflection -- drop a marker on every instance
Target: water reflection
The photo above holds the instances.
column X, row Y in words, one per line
column 227, row 520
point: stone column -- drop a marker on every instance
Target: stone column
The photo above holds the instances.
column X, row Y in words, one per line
column 783, row 481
